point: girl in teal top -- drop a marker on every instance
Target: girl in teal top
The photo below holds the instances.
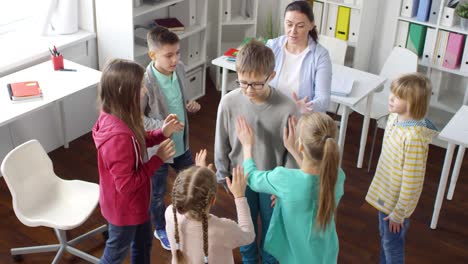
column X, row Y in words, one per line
column 302, row 228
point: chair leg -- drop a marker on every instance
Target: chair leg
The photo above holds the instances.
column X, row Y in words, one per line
column 372, row 147
column 62, row 247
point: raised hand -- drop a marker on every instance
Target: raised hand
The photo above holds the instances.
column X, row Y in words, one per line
column 289, row 134
column 304, row 105
column 171, row 125
column 238, row 183
column 244, row 132
column 192, row 106
column 166, row 150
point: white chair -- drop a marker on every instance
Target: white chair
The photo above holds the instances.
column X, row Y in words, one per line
column 337, row 50
column 41, row 198
column 400, row 61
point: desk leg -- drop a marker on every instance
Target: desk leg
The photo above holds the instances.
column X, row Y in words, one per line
column 63, row 124
column 456, row 172
column 365, row 130
column 343, row 127
column 224, row 82
column 442, row 185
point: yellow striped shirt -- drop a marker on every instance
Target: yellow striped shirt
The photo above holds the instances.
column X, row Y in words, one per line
column 399, row 178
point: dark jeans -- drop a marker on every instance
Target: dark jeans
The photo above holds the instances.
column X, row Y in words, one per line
column 393, row 244
column 139, row 237
column 159, row 187
column 258, row 203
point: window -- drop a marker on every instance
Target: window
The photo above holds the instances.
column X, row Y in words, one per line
column 19, row 14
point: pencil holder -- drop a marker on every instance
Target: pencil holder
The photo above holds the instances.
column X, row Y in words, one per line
column 57, row 61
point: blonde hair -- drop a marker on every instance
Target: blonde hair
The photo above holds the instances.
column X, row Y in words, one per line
column 415, row 88
column 317, row 132
column 119, row 94
column 192, row 192
column 255, row 58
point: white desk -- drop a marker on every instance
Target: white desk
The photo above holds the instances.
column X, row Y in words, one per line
column 455, row 133
column 55, row 86
column 364, row 85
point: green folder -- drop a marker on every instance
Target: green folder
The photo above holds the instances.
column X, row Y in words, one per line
column 416, row 38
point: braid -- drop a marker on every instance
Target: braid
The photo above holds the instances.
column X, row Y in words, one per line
column 205, row 227
column 179, row 255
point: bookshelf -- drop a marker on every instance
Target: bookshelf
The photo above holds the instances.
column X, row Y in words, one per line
column 363, row 18
column 116, row 22
column 234, row 25
column 449, row 85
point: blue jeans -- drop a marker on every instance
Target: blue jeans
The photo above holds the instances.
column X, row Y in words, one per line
column 393, row 244
column 158, row 183
column 258, row 202
column 139, row 237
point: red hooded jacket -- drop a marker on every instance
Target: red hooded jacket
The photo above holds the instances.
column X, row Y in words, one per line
column 124, row 179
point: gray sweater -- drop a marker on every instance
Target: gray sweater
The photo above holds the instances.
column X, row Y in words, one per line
column 267, row 120
column 155, row 107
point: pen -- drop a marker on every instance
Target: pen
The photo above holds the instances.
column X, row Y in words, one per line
column 72, row 70
column 51, row 52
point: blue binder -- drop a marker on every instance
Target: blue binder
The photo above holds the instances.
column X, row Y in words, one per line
column 423, row 10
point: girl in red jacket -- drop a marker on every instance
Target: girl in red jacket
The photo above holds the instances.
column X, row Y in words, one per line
column 124, row 169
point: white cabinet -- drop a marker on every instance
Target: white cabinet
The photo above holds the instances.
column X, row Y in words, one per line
column 116, row 22
column 237, row 20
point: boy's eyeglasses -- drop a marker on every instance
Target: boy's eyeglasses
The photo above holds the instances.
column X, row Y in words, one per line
column 255, row 86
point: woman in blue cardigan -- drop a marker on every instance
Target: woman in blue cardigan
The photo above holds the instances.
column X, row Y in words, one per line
column 302, row 65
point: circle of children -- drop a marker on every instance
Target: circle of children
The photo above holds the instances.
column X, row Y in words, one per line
column 278, row 165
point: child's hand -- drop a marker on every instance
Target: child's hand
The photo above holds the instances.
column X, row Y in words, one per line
column 393, row 226
column 200, row 160
column 171, row 124
column 238, row 183
column 303, row 104
column 273, row 200
column 192, row 106
column 289, row 135
column 166, row 149
column 244, row 132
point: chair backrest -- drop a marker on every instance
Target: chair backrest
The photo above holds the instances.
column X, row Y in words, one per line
column 400, row 61
column 29, row 175
column 336, row 48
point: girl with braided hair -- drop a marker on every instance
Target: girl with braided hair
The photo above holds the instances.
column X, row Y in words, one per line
column 195, row 235
column 302, row 227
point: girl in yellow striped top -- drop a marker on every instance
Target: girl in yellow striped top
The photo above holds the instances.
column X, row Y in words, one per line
column 399, row 177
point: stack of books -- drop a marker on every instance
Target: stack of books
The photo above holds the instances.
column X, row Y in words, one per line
column 171, row 23
column 22, row 91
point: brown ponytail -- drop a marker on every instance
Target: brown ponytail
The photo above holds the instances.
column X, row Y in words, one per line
column 317, row 134
column 191, row 194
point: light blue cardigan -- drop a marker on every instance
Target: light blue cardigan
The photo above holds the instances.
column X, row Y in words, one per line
column 315, row 75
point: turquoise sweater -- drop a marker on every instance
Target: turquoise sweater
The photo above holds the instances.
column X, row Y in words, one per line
column 292, row 237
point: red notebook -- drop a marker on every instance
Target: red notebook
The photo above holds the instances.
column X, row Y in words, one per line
column 24, row 90
column 170, row 23
column 232, row 52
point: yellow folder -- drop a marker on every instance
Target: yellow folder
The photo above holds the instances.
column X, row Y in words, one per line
column 342, row 23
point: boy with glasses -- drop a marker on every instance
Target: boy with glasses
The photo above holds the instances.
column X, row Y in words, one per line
column 267, row 110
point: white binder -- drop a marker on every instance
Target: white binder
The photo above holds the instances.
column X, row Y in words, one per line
column 318, row 14
column 331, row 20
column 441, row 46
column 464, row 61
column 449, row 18
column 434, row 13
column 429, row 46
column 409, row 8
column 354, row 19
column 402, row 34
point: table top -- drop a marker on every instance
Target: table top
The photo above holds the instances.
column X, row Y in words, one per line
column 364, row 82
column 456, row 131
column 55, row 85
